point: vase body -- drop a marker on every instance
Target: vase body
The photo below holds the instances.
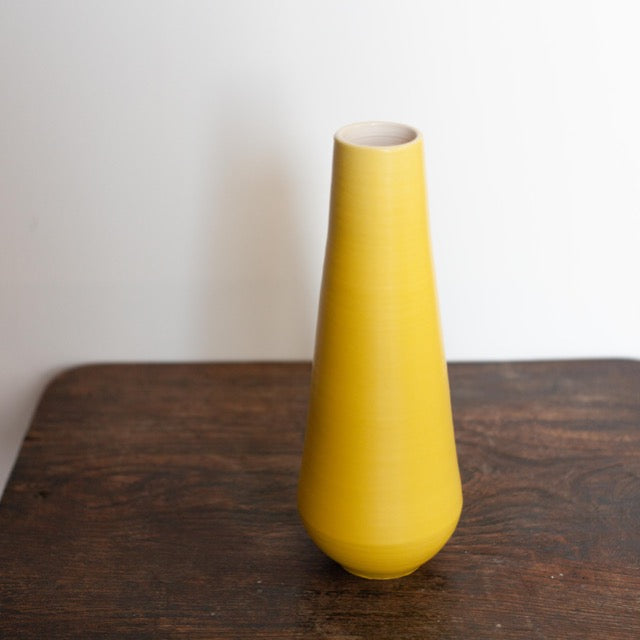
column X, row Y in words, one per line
column 379, row 488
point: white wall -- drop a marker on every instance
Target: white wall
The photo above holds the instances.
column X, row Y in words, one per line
column 165, row 168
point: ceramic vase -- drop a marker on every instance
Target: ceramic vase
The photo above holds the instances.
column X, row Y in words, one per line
column 379, row 488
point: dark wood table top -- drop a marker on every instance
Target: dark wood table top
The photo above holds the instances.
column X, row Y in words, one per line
column 158, row 501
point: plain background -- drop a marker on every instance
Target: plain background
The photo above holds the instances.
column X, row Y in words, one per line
column 165, row 172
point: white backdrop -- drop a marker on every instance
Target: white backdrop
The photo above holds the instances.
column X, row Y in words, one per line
column 165, row 168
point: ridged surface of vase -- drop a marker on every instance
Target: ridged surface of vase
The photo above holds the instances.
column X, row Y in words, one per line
column 379, row 488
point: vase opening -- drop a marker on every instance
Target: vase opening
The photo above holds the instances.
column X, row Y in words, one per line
column 377, row 134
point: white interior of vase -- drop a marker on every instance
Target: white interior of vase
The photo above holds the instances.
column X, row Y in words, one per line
column 377, row 134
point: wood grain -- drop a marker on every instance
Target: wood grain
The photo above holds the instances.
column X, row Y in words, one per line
column 158, row 501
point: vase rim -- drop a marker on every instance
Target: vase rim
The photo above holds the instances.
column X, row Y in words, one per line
column 377, row 134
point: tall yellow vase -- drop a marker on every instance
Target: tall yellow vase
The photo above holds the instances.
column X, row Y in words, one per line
column 379, row 488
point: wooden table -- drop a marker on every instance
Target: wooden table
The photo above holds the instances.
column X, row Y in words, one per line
column 158, row 501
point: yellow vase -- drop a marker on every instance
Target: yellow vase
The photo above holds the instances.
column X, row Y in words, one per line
column 379, row 488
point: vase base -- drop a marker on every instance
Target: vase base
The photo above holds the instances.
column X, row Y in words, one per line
column 379, row 576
